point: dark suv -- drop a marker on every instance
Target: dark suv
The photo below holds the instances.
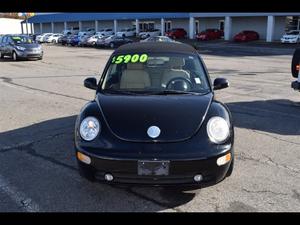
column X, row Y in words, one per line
column 20, row 47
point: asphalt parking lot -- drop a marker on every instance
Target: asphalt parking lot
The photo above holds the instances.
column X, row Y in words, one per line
column 39, row 101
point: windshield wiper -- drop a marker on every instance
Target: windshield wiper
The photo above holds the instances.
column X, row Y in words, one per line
column 108, row 91
column 174, row 92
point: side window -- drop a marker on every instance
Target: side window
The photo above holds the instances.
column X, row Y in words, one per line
column 4, row 39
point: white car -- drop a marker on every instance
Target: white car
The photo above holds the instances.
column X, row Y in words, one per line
column 53, row 38
column 150, row 33
column 292, row 36
column 105, row 32
column 42, row 37
column 126, row 32
column 93, row 39
column 158, row 39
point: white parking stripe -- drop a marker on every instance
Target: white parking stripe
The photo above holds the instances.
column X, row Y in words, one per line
column 18, row 197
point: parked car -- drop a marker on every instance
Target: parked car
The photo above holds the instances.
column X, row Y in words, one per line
column 105, row 32
column 176, row 33
column 158, row 39
column 63, row 39
column 20, row 47
column 150, row 33
column 83, row 40
column 246, row 35
column 113, row 41
column 181, row 134
column 73, row 40
column 53, row 38
column 296, row 70
column 126, row 32
column 292, row 36
column 92, row 41
column 209, row 34
column 42, row 37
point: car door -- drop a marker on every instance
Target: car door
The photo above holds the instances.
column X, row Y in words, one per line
column 9, row 46
column 3, row 45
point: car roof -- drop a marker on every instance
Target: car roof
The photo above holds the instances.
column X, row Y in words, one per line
column 172, row 47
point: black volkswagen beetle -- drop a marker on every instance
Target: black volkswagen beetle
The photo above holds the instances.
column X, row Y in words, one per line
column 154, row 120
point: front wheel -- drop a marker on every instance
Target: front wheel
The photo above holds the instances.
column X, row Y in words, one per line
column 1, row 55
column 111, row 45
column 14, row 56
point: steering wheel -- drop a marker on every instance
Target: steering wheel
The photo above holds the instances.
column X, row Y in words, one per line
column 179, row 84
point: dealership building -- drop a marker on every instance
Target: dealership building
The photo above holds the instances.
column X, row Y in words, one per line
column 270, row 26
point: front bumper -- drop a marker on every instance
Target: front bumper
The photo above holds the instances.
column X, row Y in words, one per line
column 29, row 54
column 292, row 41
column 181, row 171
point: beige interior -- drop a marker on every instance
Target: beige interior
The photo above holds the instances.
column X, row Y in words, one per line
column 175, row 70
column 135, row 76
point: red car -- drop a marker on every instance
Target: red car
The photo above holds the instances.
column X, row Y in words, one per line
column 176, row 33
column 246, row 35
column 209, row 34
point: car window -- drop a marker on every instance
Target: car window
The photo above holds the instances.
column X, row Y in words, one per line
column 135, row 72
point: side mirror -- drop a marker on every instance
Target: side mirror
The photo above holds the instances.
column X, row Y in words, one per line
column 90, row 83
column 220, row 83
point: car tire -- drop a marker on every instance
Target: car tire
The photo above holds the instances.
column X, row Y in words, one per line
column 112, row 45
column 295, row 61
column 123, row 35
column 14, row 56
column 1, row 56
column 86, row 172
column 229, row 172
column 53, row 41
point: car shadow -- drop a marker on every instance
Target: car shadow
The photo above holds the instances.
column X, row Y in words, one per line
column 279, row 116
column 51, row 142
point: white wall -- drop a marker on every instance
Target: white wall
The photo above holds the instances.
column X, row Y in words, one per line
column 209, row 23
column 125, row 24
column 105, row 24
column 180, row 23
column 58, row 27
column 258, row 24
column 12, row 26
column 88, row 24
column 279, row 28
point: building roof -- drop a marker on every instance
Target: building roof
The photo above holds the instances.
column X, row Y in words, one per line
column 146, row 47
column 69, row 17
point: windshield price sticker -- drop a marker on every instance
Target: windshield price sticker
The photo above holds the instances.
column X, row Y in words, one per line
column 135, row 58
column 16, row 38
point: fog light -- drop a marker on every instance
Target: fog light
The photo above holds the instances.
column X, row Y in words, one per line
column 224, row 159
column 198, row 178
column 108, row 177
column 83, row 158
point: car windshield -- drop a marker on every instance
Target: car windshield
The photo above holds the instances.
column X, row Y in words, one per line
column 155, row 73
column 22, row 40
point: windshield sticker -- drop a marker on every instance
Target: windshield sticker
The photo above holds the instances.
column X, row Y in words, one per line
column 16, row 38
column 197, row 80
column 135, row 58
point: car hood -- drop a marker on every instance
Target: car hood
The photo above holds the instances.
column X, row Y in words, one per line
column 178, row 116
column 290, row 36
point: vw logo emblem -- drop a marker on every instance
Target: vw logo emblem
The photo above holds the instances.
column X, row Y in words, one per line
column 153, row 131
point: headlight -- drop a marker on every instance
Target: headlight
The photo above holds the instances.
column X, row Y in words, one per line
column 89, row 128
column 20, row 48
column 217, row 129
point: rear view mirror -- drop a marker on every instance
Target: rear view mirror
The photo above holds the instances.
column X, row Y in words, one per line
column 220, row 83
column 90, row 83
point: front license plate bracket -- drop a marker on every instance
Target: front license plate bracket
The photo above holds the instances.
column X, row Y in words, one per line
column 153, row 168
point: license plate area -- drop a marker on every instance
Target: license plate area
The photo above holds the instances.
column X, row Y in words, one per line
column 153, row 168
